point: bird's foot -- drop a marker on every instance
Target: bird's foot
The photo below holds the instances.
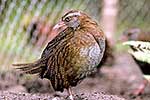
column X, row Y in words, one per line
column 71, row 97
column 56, row 98
column 77, row 97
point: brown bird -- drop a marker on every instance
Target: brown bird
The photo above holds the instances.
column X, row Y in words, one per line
column 72, row 55
column 136, row 34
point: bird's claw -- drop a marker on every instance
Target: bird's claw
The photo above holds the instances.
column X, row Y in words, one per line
column 71, row 97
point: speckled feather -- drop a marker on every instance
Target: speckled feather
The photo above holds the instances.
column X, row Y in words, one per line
column 70, row 56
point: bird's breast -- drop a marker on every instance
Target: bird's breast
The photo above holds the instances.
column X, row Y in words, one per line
column 92, row 55
column 89, row 52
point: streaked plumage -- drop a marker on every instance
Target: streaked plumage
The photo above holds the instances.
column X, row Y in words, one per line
column 72, row 55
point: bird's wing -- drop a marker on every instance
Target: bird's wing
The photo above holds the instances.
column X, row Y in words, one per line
column 101, row 41
column 140, row 50
column 54, row 43
column 56, row 52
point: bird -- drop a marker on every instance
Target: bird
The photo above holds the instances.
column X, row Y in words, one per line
column 136, row 34
column 72, row 55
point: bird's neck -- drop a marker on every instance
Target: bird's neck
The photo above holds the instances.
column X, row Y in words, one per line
column 92, row 26
column 89, row 24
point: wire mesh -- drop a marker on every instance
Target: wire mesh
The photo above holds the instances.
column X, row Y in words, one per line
column 17, row 32
column 23, row 21
column 133, row 13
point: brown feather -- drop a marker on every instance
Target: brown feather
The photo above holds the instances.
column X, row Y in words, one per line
column 72, row 55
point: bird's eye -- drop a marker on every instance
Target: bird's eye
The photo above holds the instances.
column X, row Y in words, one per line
column 67, row 19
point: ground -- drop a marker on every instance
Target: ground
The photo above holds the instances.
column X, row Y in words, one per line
column 114, row 83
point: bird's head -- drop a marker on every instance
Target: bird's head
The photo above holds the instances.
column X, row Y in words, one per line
column 75, row 20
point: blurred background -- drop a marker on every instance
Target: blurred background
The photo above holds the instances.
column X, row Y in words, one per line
column 26, row 25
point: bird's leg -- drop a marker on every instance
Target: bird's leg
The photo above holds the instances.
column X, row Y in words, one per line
column 141, row 88
column 70, row 93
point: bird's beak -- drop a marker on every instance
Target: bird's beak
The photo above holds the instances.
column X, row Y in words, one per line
column 59, row 25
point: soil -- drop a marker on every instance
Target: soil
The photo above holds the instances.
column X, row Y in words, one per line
column 117, row 82
column 5, row 95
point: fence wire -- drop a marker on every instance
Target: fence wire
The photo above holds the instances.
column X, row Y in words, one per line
column 133, row 13
column 25, row 24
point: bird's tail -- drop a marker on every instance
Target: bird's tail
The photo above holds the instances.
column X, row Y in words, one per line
column 31, row 68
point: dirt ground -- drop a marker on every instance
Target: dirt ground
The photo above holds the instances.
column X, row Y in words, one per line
column 114, row 83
